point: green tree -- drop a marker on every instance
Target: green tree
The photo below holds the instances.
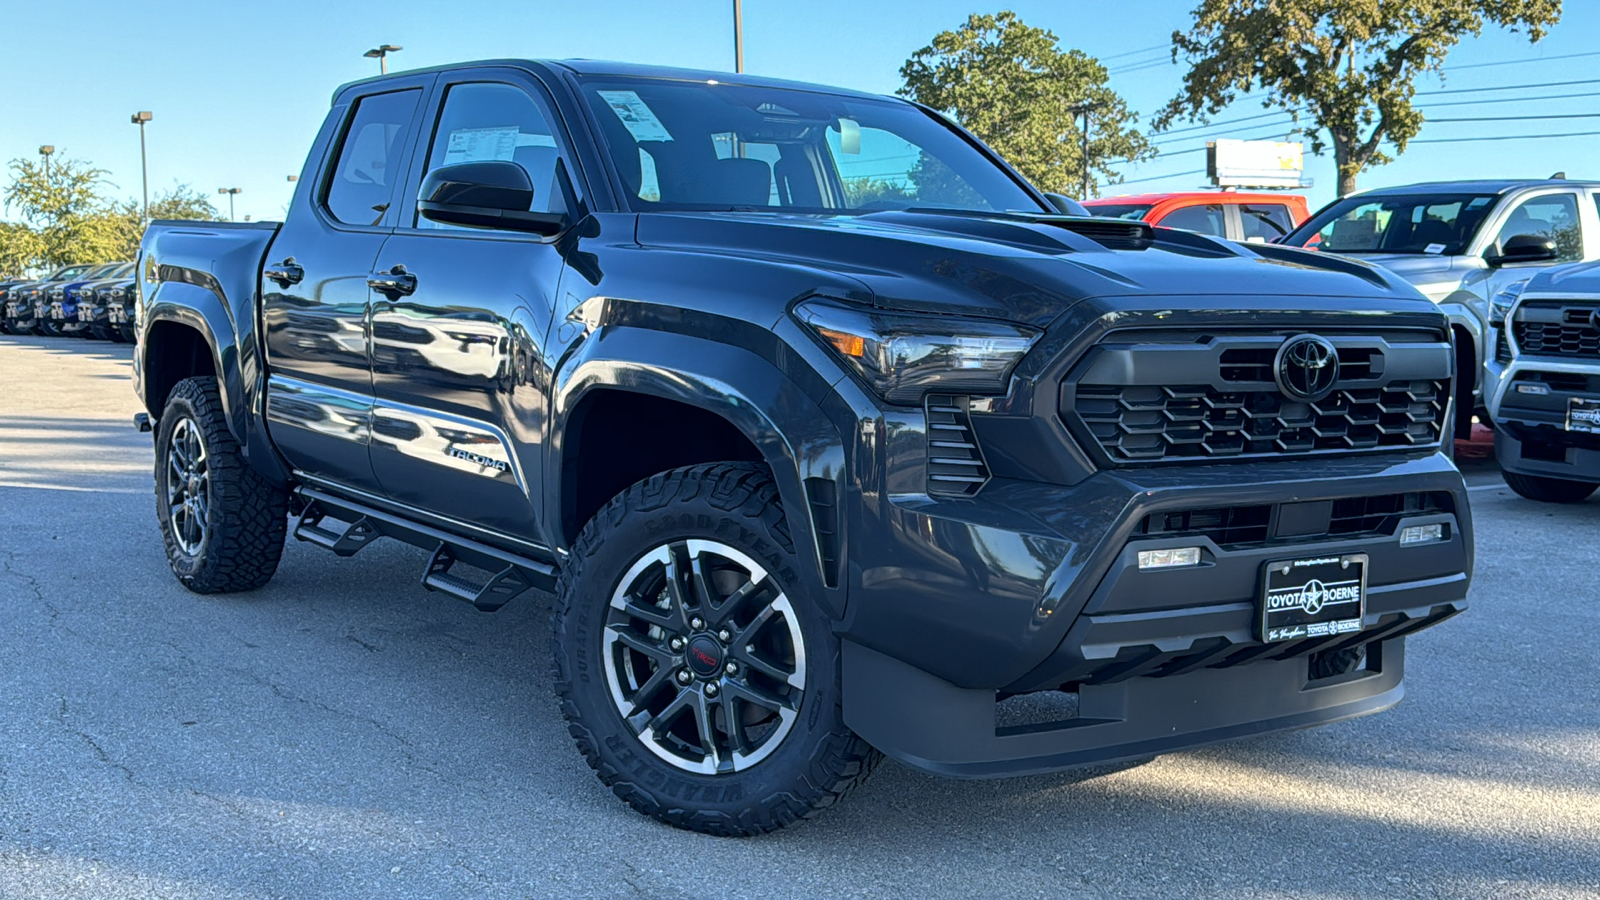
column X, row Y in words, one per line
column 125, row 220
column 19, row 249
column 1347, row 66
column 64, row 208
column 1013, row 86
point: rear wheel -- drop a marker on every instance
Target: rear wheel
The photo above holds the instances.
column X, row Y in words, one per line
column 1549, row 490
column 696, row 674
column 222, row 523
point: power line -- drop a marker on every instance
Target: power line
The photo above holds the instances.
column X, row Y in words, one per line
column 1135, row 52
column 1139, row 67
column 1516, row 62
column 1506, row 87
column 1159, row 177
column 1581, row 94
column 1210, row 125
column 1516, row 118
column 1505, row 137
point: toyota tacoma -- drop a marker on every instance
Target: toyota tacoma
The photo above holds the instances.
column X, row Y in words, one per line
column 831, row 437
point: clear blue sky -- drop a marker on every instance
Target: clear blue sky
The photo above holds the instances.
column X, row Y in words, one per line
column 238, row 88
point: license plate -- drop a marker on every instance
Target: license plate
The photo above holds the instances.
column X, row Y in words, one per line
column 117, row 315
column 1312, row 598
column 11, row 310
column 1583, row 415
column 85, row 315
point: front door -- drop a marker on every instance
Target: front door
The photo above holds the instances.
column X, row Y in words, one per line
column 314, row 289
column 458, row 373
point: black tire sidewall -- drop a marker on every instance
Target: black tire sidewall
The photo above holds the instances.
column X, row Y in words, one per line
column 620, row 543
column 181, row 405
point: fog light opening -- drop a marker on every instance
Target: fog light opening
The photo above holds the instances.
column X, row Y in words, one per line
column 1422, row 534
column 1167, row 559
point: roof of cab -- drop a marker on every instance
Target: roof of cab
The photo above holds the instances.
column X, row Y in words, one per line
column 1483, row 186
column 602, row 68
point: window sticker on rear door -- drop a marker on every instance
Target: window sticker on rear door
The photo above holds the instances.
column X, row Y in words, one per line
column 636, row 116
column 481, row 145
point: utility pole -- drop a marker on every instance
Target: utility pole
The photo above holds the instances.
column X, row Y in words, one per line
column 230, row 192
column 139, row 118
column 1083, row 110
column 45, row 152
column 381, row 54
column 738, row 37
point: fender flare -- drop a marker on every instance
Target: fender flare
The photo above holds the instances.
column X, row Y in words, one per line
column 743, row 388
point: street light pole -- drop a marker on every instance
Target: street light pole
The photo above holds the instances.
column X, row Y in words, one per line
column 738, row 37
column 381, row 54
column 139, row 118
column 1084, row 110
column 45, row 151
column 230, row 192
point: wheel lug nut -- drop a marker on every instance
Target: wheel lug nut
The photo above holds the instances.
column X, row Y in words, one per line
column 684, row 677
column 731, row 668
column 676, row 643
column 697, row 623
column 711, row 690
column 725, row 635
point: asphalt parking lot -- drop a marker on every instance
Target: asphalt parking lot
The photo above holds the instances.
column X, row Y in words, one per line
column 344, row 733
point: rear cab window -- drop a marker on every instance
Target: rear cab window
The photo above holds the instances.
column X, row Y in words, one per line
column 1210, row 218
column 1264, row 221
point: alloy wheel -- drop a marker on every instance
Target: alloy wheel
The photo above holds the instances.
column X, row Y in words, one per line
column 704, row 657
column 188, row 486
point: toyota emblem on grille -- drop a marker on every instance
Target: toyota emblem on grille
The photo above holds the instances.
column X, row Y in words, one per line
column 1306, row 368
column 1594, row 319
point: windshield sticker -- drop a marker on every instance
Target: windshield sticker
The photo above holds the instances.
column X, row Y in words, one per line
column 636, row 116
column 1479, row 201
column 481, row 145
column 1433, row 248
column 849, row 136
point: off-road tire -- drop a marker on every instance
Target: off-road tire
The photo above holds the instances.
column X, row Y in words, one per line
column 1549, row 490
column 48, row 327
column 818, row 760
column 128, row 334
column 105, row 333
column 247, row 517
column 1328, row 663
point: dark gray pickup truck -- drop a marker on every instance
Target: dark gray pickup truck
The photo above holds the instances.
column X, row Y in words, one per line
column 831, row 436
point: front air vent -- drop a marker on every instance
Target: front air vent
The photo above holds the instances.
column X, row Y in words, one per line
column 955, row 464
column 1117, row 234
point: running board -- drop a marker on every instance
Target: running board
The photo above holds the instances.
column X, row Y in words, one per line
column 513, row 575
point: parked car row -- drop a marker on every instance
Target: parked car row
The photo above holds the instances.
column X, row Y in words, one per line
column 91, row 301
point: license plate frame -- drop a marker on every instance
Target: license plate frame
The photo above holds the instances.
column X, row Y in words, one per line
column 1312, row 597
column 1583, row 415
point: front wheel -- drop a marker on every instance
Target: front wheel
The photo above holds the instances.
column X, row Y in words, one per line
column 1549, row 490
column 222, row 523
column 696, row 674
column 49, row 327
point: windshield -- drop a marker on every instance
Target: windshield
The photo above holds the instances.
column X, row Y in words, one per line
column 1120, row 210
column 68, row 272
column 703, row 146
column 1396, row 223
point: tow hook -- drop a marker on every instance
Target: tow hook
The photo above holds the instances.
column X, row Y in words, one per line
column 141, row 422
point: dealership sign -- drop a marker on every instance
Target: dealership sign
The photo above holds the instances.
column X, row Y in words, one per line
column 1255, row 164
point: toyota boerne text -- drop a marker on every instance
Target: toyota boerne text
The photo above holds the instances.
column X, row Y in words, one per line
column 819, row 464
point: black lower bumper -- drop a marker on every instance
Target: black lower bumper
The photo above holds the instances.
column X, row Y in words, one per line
column 930, row 724
column 1528, row 446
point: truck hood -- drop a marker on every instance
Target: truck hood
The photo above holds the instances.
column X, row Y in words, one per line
column 1436, row 276
column 1021, row 268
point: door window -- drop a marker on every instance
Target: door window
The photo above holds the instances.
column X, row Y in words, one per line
column 1206, row 219
column 1264, row 221
column 1554, row 216
column 483, row 121
column 371, row 158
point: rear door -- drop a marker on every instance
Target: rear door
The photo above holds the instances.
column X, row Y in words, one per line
column 458, row 367
column 314, row 285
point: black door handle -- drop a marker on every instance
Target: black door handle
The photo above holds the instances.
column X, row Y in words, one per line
column 395, row 281
column 285, row 273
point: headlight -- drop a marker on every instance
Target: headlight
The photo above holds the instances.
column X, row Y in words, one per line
column 903, row 356
column 86, row 294
column 117, row 293
column 1500, row 306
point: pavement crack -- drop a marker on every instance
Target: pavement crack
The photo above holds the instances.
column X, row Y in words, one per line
column 63, row 715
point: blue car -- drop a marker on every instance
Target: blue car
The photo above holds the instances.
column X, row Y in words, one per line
column 58, row 314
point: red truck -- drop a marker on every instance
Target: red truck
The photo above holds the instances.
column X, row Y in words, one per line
column 1237, row 216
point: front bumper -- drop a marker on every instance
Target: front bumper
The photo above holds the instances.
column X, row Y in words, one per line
column 1032, row 587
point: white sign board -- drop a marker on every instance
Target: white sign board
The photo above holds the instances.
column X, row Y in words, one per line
column 1258, row 164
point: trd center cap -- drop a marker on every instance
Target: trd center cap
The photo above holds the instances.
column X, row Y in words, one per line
column 705, row 656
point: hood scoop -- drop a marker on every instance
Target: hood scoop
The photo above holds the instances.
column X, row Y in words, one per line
column 1116, row 234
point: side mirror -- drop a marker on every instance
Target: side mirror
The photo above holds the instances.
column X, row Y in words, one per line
column 1067, row 206
column 1523, row 248
column 492, row 194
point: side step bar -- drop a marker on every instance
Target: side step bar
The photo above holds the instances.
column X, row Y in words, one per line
column 514, row 575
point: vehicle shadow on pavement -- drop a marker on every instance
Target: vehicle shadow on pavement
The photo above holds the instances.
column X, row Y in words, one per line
column 343, row 732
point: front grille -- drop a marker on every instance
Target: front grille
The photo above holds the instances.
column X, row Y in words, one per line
column 1502, row 347
column 1234, row 527
column 1557, row 328
column 955, row 464
column 1148, row 423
